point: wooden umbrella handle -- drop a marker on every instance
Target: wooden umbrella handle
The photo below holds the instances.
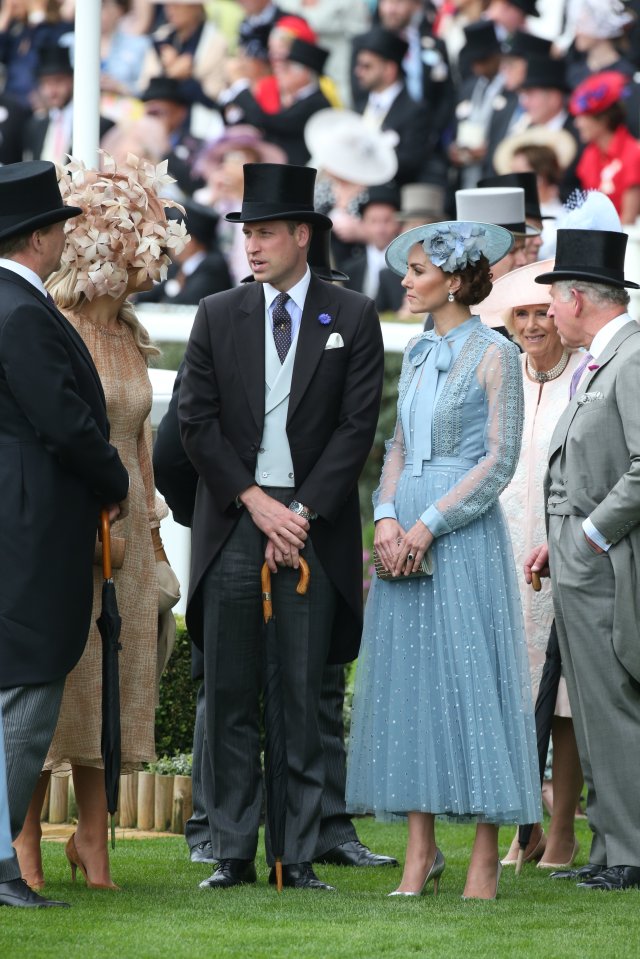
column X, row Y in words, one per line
column 536, row 581
column 305, row 575
column 105, row 536
column 265, row 582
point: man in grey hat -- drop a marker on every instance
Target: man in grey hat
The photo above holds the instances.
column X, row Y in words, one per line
column 57, row 470
column 592, row 495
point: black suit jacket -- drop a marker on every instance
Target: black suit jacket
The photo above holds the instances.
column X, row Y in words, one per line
column 332, row 417
column 210, row 276
column 285, row 128
column 56, row 469
column 390, row 293
column 13, row 118
column 35, row 132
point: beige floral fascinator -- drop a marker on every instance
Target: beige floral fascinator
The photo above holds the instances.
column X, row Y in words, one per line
column 124, row 226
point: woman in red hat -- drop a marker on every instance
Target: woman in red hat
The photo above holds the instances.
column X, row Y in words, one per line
column 610, row 161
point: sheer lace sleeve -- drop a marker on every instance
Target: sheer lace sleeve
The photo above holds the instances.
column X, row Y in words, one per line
column 500, row 375
column 384, row 496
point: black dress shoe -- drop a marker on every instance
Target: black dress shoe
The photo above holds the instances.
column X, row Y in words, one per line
column 354, row 853
column 202, row 852
column 16, row 893
column 231, row 872
column 614, row 878
column 298, row 875
column 584, row 872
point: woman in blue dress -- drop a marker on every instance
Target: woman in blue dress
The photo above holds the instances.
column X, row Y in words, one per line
column 443, row 718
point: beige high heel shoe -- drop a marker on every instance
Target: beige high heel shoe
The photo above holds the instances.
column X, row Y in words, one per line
column 437, row 868
column 488, row 898
column 76, row 863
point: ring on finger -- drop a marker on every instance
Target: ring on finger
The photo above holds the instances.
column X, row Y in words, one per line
column 410, row 557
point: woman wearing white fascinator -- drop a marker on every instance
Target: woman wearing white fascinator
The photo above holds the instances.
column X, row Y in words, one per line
column 443, row 717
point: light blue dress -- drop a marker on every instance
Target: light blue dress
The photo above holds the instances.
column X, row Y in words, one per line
column 442, row 716
column 6, row 850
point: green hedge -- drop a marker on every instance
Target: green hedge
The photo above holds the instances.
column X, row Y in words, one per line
column 175, row 716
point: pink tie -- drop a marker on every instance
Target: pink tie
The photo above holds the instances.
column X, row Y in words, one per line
column 577, row 374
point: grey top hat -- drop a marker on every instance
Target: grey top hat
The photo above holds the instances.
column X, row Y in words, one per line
column 503, row 206
column 421, row 201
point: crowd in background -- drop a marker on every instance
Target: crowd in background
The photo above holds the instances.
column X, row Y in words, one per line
column 461, row 89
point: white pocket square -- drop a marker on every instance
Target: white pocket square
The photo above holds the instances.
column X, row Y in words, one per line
column 334, row 342
column 590, row 398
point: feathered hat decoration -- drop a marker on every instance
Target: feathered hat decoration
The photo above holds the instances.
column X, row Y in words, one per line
column 124, row 226
column 589, row 210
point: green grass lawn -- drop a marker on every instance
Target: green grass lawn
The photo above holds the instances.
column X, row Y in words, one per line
column 161, row 912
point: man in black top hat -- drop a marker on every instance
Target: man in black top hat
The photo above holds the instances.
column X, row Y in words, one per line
column 511, row 15
column 297, row 78
column 164, row 98
column 48, row 133
column 592, row 496
column 278, row 409
column 386, row 104
column 57, row 469
column 379, row 227
column 200, row 269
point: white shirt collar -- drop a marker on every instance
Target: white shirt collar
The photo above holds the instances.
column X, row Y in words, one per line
column 604, row 336
column 382, row 100
column 25, row 273
column 297, row 293
column 193, row 262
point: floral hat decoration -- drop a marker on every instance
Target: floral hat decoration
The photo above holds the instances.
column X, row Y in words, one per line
column 451, row 245
column 124, row 225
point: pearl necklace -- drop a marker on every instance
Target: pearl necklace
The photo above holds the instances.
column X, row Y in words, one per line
column 542, row 376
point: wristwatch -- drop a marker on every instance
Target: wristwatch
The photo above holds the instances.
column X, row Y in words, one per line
column 301, row 510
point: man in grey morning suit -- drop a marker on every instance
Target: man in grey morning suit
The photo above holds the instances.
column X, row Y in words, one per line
column 278, row 407
column 592, row 492
column 57, row 469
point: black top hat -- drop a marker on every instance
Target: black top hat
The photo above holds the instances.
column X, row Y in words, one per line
column 527, row 6
column 201, row 221
column 528, row 183
column 30, row 198
column 525, row 45
column 53, row 59
column 593, row 255
column 308, row 54
column 164, row 88
column 384, row 43
column 545, row 74
column 482, row 41
column 279, row 191
column 387, row 193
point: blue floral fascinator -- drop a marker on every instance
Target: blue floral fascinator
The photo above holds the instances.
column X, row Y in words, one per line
column 451, row 245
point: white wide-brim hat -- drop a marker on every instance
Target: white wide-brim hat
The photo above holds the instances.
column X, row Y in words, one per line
column 560, row 141
column 501, row 205
column 515, row 289
column 341, row 143
column 493, row 241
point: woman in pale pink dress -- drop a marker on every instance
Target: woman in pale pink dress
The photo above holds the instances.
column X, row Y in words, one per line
column 520, row 304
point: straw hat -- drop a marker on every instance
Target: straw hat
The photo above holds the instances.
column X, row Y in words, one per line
column 514, row 289
column 341, row 143
column 560, row 141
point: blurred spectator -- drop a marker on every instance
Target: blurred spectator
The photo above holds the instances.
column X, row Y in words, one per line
column 25, row 27
column 284, row 31
column 164, row 99
column 189, row 49
column 260, row 14
column 511, row 15
column 476, row 99
column 453, row 17
column 122, row 49
column 220, row 164
column 597, row 27
column 388, row 106
column 200, row 268
column 49, row 134
column 379, row 228
column 13, row 119
column 610, row 161
column 146, row 138
column 335, row 23
column 532, row 211
column 297, row 78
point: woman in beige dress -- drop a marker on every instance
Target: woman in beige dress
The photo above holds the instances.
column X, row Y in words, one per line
column 521, row 305
column 119, row 248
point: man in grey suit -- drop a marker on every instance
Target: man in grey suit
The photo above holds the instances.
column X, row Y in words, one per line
column 592, row 492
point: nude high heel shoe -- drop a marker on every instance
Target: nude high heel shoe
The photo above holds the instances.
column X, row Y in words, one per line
column 437, row 868
column 76, row 863
column 489, row 898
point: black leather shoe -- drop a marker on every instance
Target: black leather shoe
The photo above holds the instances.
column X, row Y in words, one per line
column 299, row 875
column 614, row 878
column 16, row 893
column 202, row 852
column 584, row 872
column 231, row 872
column 354, row 853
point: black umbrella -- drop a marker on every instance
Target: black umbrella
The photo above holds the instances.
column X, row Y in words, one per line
column 109, row 623
column 545, row 707
column 275, row 743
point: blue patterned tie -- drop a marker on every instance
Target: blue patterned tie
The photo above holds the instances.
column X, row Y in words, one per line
column 281, row 326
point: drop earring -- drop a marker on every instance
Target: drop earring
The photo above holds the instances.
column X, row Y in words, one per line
column 451, row 297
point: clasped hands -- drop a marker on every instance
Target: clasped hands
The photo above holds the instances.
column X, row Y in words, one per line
column 285, row 530
column 401, row 552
